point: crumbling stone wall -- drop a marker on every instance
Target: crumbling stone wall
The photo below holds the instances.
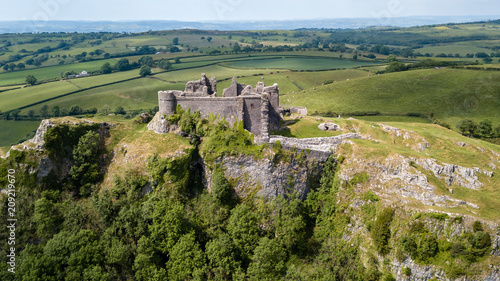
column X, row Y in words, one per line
column 257, row 107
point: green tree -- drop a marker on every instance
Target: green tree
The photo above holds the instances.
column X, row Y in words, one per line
column 175, row 41
column 381, row 231
column 396, row 66
column 177, row 60
column 145, row 71
column 209, row 39
column 34, row 264
column 165, row 64
column 496, row 132
column 123, row 65
column 31, row 80
column 168, row 224
column 187, row 261
column 21, row 66
column 268, row 261
column 467, row 127
column 44, row 111
column 487, row 60
column 222, row 258
column 31, row 114
column 146, row 262
column 289, row 223
column 85, row 170
column 46, row 216
column 119, row 110
column 236, row 48
column 6, row 67
column 56, row 112
column 485, row 129
column 75, row 110
column 146, row 60
column 391, row 58
column 221, row 188
column 106, row 68
column 15, row 113
column 243, row 229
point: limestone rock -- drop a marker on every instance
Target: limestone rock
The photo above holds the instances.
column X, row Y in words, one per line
column 161, row 126
column 329, row 127
column 466, row 177
column 40, row 132
column 144, row 118
column 270, row 178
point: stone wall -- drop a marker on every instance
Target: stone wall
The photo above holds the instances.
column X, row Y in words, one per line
column 229, row 108
column 252, row 114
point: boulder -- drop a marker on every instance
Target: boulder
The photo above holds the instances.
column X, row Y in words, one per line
column 329, row 127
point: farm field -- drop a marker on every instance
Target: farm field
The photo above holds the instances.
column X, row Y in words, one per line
column 51, row 72
column 461, row 48
column 450, row 94
column 298, row 63
column 12, row 131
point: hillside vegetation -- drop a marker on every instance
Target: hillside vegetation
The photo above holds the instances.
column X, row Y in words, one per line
column 446, row 94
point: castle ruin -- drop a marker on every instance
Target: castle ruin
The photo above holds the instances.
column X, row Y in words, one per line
column 257, row 107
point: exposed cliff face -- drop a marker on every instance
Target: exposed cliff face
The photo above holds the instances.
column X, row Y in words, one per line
column 161, row 126
column 268, row 179
column 46, row 165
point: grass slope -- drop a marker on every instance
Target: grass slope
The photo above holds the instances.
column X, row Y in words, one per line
column 12, row 131
column 451, row 94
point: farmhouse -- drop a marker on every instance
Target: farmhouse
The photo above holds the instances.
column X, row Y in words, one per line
column 258, row 108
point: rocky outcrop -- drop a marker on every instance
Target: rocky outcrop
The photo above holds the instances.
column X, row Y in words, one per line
column 49, row 123
column 466, row 177
column 418, row 272
column 271, row 179
column 40, row 132
column 406, row 183
column 161, row 126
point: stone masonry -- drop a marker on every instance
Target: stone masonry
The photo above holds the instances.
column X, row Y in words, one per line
column 257, row 107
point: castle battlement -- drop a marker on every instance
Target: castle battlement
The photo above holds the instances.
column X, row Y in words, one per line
column 257, row 107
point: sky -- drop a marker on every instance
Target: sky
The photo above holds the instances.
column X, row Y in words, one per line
column 230, row 10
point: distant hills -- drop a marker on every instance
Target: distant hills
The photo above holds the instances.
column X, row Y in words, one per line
column 140, row 26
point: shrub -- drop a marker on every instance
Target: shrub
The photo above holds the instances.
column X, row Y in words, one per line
column 221, row 188
column 381, row 231
column 477, row 226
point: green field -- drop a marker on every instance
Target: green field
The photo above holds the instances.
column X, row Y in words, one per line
column 299, row 63
column 461, row 48
column 51, row 72
column 12, row 131
column 450, row 94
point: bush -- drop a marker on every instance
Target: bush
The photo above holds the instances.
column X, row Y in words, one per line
column 467, row 127
column 381, row 231
column 419, row 243
column 120, row 111
column 145, row 71
column 477, row 226
column 31, row 80
column 221, row 188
